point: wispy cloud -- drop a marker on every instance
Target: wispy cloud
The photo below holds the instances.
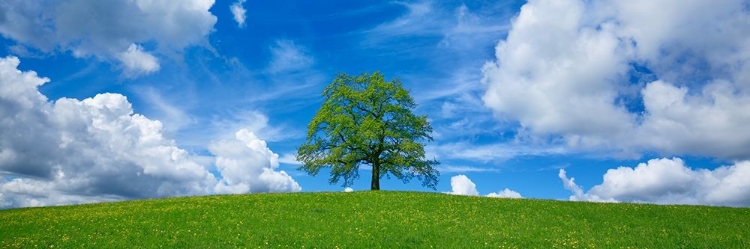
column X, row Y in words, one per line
column 491, row 152
column 172, row 115
column 418, row 20
column 464, row 169
column 254, row 121
column 289, row 158
column 453, row 43
column 288, row 57
column 453, row 26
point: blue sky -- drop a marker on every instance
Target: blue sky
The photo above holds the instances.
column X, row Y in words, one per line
column 566, row 99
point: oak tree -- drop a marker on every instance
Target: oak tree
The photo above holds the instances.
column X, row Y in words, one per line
column 365, row 120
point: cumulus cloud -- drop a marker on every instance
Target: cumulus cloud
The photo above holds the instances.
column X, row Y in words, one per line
column 137, row 62
column 711, row 122
column 626, row 76
column 462, row 185
column 98, row 149
column 247, row 165
column 108, row 29
column 348, row 189
column 238, row 12
column 554, row 76
column 670, row 181
column 75, row 151
column 505, row 193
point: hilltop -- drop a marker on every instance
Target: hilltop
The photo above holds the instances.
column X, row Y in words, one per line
column 372, row 219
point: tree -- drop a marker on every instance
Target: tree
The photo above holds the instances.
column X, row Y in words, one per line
column 365, row 120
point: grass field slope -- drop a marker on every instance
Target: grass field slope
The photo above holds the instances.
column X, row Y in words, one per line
column 377, row 219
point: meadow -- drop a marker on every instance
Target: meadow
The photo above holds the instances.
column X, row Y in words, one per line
column 372, row 219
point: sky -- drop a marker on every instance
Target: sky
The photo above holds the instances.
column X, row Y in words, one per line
column 643, row 101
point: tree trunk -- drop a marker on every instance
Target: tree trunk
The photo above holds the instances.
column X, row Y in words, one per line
column 375, row 185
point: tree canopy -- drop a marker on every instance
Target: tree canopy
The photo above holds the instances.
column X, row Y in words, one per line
column 365, row 120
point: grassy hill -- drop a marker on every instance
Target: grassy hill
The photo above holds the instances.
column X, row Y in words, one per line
column 372, row 220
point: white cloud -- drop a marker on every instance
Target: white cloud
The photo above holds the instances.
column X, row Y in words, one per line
column 253, row 121
column 137, row 62
column 555, row 76
column 670, row 181
column 348, row 189
column 21, row 21
column 80, row 151
column 462, row 185
column 450, row 36
column 413, row 22
column 28, row 192
column 506, row 193
column 447, row 36
column 289, row 158
column 570, row 184
column 711, row 122
column 173, row 115
column 578, row 194
column 470, row 28
column 564, row 71
column 491, row 152
column 108, row 29
column 238, row 12
column 288, row 57
column 98, row 149
column 665, row 39
column 459, row 27
column 247, row 165
column 463, row 169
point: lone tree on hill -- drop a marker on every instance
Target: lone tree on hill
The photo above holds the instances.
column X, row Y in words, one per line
column 366, row 120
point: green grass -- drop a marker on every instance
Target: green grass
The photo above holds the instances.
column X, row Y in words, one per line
column 372, row 220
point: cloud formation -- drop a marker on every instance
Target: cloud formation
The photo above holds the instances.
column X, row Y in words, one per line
column 577, row 191
column 98, row 149
column 288, row 57
column 491, row 152
column 505, row 193
column 669, row 181
column 462, row 185
column 458, row 26
column 247, row 165
column 627, row 77
column 137, row 62
column 238, row 12
column 109, row 30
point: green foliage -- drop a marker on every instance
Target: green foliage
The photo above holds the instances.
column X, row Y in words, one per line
column 365, row 120
column 372, row 219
